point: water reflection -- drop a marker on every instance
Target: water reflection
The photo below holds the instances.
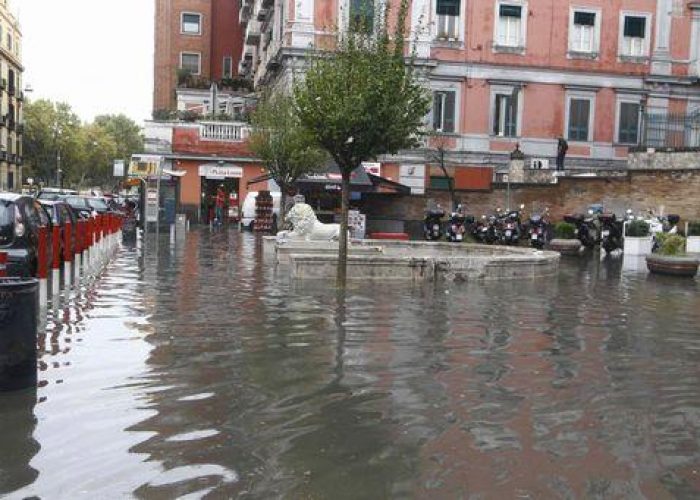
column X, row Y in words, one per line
column 17, row 424
column 202, row 371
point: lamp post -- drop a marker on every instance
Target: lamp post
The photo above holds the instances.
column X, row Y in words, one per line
column 57, row 137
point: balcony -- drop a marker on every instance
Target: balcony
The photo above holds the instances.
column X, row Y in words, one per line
column 245, row 12
column 223, row 132
column 252, row 34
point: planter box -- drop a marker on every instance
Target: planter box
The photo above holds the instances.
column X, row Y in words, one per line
column 692, row 244
column 673, row 265
column 638, row 245
column 566, row 247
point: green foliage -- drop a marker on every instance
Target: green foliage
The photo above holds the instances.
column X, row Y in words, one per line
column 694, row 228
column 236, row 84
column 286, row 148
column 164, row 114
column 565, row 231
column 363, row 99
column 671, row 244
column 87, row 151
column 637, row 228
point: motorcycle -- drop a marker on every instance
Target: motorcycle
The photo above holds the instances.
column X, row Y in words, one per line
column 512, row 227
column 610, row 232
column 457, row 225
column 432, row 224
column 485, row 231
column 586, row 230
column 538, row 229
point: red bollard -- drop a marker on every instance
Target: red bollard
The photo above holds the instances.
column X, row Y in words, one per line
column 42, row 270
column 3, row 264
column 56, row 248
column 78, row 236
column 68, row 242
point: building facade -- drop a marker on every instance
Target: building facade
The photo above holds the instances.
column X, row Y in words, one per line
column 519, row 72
column 197, row 43
column 11, row 100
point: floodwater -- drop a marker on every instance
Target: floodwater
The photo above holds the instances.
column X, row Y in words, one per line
column 198, row 372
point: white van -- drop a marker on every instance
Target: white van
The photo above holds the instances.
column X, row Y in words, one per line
column 248, row 208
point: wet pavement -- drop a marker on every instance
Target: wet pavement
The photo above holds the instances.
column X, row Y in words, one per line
column 200, row 372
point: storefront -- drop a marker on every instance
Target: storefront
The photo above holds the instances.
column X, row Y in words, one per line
column 213, row 178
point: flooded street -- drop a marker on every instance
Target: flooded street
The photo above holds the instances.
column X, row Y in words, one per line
column 199, row 372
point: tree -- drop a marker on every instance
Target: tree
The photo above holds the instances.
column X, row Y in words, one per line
column 286, row 148
column 437, row 153
column 362, row 100
column 125, row 133
column 51, row 129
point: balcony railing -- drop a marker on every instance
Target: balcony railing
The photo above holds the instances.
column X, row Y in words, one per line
column 252, row 34
column 669, row 130
column 221, row 131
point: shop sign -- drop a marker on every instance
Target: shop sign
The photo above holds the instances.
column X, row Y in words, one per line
column 374, row 168
column 220, row 172
column 333, row 187
column 152, row 205
column 144, row 165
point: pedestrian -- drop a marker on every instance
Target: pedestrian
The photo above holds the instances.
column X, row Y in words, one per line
column 562, row 147
column 220, row 200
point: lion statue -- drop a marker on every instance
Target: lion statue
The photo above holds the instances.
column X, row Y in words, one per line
column 307, row 227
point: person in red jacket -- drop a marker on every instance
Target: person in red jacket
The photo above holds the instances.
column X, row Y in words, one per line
column 220, row 201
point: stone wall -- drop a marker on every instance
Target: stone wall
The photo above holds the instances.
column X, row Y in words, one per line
column 674, row 191
column 664, row 160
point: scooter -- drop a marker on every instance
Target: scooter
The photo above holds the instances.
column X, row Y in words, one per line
column 538, row 229
column 457, row 225
column 610, row 232
column 432, row 224
column 586, row 231
column 511, row 227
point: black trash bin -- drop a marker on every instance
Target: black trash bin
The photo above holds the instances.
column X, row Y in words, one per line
column 19, row 300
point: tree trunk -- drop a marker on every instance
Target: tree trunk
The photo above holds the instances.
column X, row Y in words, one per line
column 283, row 205
column 341, row 276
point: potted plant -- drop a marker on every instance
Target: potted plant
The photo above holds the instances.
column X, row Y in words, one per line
column 565, row 240
column 638, row 240
column 693, row 241
column 671, row 258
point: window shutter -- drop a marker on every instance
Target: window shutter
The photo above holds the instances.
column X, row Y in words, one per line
column 584, row 18
column 497, row 115
column 449, row 112
column 437, row 111
column 448, row 7
column 510, row 11
column 635, row 26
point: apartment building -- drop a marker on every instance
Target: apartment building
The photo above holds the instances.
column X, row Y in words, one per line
column 197, row 43
column 11, row 100
column 606, row 75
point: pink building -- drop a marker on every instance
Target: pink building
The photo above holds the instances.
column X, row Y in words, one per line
column 521, row 71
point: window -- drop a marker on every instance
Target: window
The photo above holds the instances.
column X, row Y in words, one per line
column 628, row 123
column 191, row 23
column 444, row 111
column 635, row 36
column 227, row 71
column 505, row 113
column 510, row 25
column 362, row 15
column 584, row 32
column 579, row 119
column 447, row 18
column 191, row 62
column 9, row 41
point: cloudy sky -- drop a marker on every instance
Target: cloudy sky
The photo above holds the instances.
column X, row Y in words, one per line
column 96, row 55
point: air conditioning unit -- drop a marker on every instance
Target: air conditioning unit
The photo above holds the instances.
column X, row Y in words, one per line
column 539, row 164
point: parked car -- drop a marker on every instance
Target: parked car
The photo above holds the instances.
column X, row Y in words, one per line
column 80, row 206
column 20, row 219
column 60, row 213
column 52, row 194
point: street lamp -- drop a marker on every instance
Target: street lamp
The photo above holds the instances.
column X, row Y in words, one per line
column 57, row 136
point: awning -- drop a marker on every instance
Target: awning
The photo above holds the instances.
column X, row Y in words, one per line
column 330, row 179
column 174, row 173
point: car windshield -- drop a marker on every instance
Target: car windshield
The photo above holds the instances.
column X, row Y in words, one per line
column 78, row 202
column 98, row 204
column 48, row 196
